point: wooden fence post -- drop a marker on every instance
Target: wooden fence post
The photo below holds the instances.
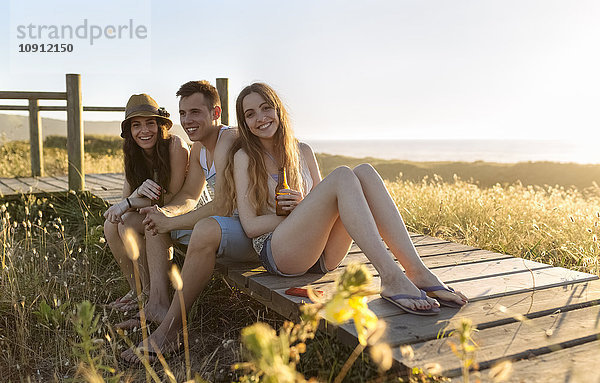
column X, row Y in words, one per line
column 223, row 89
column 35, row 139
column 75, row 133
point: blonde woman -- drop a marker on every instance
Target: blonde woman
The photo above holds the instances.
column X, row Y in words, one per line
column 348, row 204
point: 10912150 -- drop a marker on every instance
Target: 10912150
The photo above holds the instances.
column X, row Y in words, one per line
column 45, row 48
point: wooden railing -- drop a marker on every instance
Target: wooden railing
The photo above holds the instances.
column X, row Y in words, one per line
column 74, row 109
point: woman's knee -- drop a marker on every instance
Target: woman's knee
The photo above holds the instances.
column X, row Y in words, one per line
column 111, row 230
column 364, row 169
column 206, row 235
column 344, row 177
column 131, row 220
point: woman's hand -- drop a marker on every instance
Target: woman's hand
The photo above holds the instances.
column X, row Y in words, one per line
column 114, row 213
column 290, row 199
column 149, row 189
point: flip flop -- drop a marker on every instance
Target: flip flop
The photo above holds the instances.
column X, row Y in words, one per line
column 423, row 297
column 443, row 302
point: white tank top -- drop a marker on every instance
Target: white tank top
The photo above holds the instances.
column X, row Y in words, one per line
column 208, row 194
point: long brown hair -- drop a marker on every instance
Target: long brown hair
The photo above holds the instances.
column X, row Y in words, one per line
column 286, row 146
column 138, row 167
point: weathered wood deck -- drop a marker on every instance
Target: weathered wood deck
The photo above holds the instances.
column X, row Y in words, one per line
column 557, row 342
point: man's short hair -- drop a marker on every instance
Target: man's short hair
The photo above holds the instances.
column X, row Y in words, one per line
column 211, row 95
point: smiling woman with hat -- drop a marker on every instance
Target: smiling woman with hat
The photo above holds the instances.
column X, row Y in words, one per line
column 155, row 169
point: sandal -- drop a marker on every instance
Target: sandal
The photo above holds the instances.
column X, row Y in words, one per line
column 423, row 297
column 444, row 302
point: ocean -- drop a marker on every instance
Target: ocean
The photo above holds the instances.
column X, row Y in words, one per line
column 504, row 151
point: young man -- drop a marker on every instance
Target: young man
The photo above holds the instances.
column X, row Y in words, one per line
column 212, row 235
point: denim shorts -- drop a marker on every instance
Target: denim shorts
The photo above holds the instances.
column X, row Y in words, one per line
column 266, row 258
column 235, row 245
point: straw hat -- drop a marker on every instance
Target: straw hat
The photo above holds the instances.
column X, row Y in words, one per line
column 142, row 105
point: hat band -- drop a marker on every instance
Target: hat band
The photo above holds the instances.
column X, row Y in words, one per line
column 141, row 108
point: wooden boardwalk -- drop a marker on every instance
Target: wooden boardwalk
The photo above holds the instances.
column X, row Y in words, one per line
column 107, row 186
column 543, row 318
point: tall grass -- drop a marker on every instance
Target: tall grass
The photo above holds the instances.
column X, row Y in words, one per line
column 103, row 154
column 554, row 225
column 53, row 257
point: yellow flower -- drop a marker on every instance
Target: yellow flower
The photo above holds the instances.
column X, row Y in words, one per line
column 364, row 319
column 337, row 310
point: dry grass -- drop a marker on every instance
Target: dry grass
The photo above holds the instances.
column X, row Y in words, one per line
column 53, row 258
column 553, row 225
column 102, row 155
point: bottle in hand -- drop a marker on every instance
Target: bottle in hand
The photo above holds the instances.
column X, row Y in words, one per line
column 161, row 198
column 281, row 184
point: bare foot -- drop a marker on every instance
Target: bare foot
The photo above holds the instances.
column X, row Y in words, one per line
column 157, row 342
column 155, row 313
column 128, row 302
column 400, row 285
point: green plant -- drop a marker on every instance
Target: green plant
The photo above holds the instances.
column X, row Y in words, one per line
column 89, row 350
column 273, row 356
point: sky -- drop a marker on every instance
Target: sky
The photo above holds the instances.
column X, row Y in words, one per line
column 378, row 69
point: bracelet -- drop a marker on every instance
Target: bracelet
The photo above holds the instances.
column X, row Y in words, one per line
column 128, row 202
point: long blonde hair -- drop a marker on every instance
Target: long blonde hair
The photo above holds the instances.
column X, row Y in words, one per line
column 286, row 146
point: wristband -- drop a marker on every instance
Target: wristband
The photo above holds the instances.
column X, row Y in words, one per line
column 128, row 202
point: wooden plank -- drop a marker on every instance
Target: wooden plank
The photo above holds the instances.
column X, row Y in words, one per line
column 115, row 176
column 62, row 186
column 110, row 196
column 427, row 246
column 41, row 184
column 223, row 90
column 107, row 178
column 75, row 150
column 105, row 183
column 406, row 329
column 513, row 341
column 263, row 283
column 61, row 180
column 485, row 288
column 434, row 256
column 5, row 190
column 573, row 364
column 93, row 185
column 35, row 139
column 21, row 187
column 38, row 95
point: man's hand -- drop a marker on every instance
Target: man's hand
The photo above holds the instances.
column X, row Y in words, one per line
column 156, row 221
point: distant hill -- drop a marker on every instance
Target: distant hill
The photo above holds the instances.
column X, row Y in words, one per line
column 485, row 174
column 16, row 128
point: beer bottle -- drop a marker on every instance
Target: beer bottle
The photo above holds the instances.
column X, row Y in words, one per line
column 281, row 184
column 161, row 197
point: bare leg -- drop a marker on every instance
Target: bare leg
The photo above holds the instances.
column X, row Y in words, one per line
column 341, row 194
column 133, row 221
column 196, row 272
column 394, row 232
column 111, row 232
column 158, row 254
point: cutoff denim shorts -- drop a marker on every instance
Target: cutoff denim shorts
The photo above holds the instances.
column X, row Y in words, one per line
column 235, row 245
column 266, row 258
